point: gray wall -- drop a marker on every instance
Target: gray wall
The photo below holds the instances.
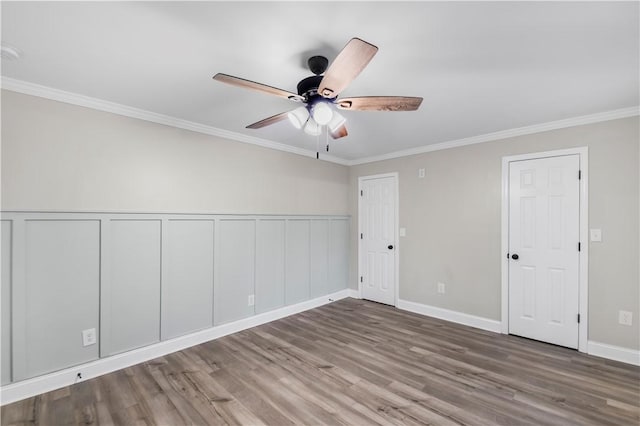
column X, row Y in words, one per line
column 61, row 157
column 452, row 217
column 58, row 157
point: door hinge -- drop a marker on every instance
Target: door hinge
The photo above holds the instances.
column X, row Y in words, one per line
column 579, row 174
column 361, row 192
column 361, row 235
column 578, row 318
column 579, row 246
column 507, row 255
column 360, row 279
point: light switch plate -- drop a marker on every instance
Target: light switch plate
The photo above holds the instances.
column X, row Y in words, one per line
column 596, row 235
column 252, row 300
column 403, row 232
column 89, row 337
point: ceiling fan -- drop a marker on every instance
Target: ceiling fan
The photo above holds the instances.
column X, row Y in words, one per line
column 319, row 93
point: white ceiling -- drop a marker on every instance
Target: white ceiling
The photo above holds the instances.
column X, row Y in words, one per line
column 480, row 67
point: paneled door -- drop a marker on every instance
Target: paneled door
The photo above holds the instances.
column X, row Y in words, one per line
column 377, row 255
column 544, row 201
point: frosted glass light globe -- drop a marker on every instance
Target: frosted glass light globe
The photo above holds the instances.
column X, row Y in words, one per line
column 298, row 117
column 336, row 121
column 322, row 113
column 312, row 128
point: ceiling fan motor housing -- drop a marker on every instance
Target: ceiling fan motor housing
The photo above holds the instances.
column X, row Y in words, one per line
column 309, row 86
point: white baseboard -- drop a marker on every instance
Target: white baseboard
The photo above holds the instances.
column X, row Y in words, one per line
column 453, row 316
column 603, row 350
column 616, row 353
column 48, row 382
column 37, row 385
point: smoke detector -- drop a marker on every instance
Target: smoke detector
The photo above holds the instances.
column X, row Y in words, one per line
column 9, row 53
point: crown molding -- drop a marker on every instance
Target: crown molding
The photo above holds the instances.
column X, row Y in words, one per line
column 33, row 89
column 504, row 134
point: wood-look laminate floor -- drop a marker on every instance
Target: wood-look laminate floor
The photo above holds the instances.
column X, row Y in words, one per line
column 352, row 362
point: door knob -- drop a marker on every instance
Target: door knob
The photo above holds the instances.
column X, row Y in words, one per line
column 515, row 256
column 390, row 247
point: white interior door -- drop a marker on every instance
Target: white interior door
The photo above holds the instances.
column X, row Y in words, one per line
column 378, row 238
column 544, row 201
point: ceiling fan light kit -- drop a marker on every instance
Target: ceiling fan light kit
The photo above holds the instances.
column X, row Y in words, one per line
column 320, row 93
column 321, row 113
column 337, row 121
column 298, row 117
column 312, row 128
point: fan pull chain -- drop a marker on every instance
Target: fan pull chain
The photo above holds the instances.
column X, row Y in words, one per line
column 318, row 146
column 326, row 134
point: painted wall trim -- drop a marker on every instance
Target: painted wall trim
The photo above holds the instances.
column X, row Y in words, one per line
column 60, row 214
column 33, row 89
column 127, row 111
column 448, row 315
column 503, row 134
column 602, row 350
column 48, row 382
column 616, row 353
column 354, row 294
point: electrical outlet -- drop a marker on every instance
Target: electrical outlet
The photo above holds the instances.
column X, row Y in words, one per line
column 596, row 235
column 89, row 337
column 252, row 300
column 441, row 288
column 420, row 173
column 625, row 317
column 403, row 232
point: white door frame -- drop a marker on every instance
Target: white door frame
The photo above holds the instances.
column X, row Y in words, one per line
column 583, row 256
column 396, row 240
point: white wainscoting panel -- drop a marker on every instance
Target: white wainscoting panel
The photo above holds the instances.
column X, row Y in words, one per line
column 57, row 297
column 27, row 388
column 150, row 280
column 131, row 289
column 319, row 250
column 5, row 298
column 187, row 286
column 338, row 255
column 297, row 261
column 270, row 264
column 235, row 270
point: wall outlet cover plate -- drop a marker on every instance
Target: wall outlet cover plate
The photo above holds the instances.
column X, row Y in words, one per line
column 89, row 337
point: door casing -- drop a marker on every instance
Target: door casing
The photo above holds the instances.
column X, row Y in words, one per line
column 395, row 229
column 583, row 255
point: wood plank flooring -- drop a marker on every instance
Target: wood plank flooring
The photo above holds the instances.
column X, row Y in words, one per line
column 357, row 363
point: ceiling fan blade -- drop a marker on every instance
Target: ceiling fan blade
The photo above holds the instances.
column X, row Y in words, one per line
column 340, row 132
column 268, row 121
column 347, row 65
column 248, row 84
column 380, row 103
